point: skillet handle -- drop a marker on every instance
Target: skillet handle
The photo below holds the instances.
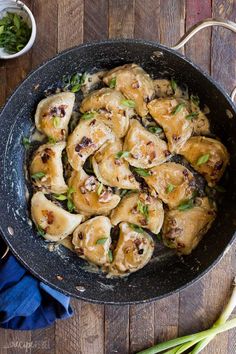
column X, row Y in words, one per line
column 203, row 24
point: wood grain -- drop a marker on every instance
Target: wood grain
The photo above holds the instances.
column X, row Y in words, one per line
column 199, row 47
column 121, row 18
column 95, row 20
column 69, row 36
column 116, row 329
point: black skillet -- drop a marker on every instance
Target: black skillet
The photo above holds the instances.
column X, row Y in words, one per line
column 166, row 272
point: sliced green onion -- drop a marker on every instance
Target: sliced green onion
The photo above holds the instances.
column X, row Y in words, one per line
column 38, row 175
column 100, row 188
column 60, row 197
column 70, row 205
column 51, row 140
column 142, row 172
column 56, row 122
column 191, row 115
column 143, row 209
column 40, row 230
column 178, row 108
column 155, row 130
column 88, row 115
column 170, row 188
column 75, row 88
column 195, row 100
column 101, row 241
column 26, row 142
column 112, row 83
column 136, row 228
column 121, row 154
column 128, row 103
column 203, row 159
column 186, row 205
column 173, row 84
column 110, row 256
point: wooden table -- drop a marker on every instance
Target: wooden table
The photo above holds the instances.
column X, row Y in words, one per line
column 97, row 329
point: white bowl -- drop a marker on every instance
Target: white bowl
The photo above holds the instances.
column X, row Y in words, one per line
column 18, row 7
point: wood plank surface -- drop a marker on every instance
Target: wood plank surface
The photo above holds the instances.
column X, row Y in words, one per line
column 98, row 329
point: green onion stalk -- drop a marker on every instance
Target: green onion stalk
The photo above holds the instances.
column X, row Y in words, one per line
column 198, row 341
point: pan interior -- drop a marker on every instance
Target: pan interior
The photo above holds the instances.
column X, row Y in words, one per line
column 166, row 272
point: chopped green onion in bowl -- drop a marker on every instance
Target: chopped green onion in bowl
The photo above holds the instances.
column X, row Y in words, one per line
column 15, row 33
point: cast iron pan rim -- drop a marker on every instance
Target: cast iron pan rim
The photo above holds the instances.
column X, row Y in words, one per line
column 108, row 42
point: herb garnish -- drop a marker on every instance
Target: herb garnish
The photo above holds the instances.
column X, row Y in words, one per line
column 101, row 241
column 154, row 130
column 173, row 84
column 203, row 159
column 74, row 82
column 170, row 188
column 60, row 197
column 70, row 204
column 51, row 140
column 121, row 154
column 14, row 33
column 38, row 175
column 110, row 255
column 128, row 103
column 100, row 188
column 142, row 172
column 40, row 230
column 178, row 108
column 143, row 209
column 185, row 205
column 88, row 115
column 195, row 100
column 136, row 228
column 191, row 115
column 56, row 121
column 112, row 83
column 26, row 142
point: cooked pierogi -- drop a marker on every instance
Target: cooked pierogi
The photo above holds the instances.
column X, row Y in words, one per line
column 85, row 140
column 53, row 114
column 134, row 83
column 172, row 182
column 207, row 156
column 52, row 221
column 144, row 149
column 106, row 105
column 133, row 251
column 91, row 197
column 46, row 168
column 111, row 169
column 92, row 240
column 184, row 229
column 140, row 209
column 171, row 115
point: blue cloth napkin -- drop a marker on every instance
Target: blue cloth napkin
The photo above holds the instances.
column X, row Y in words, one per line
column 25, row 302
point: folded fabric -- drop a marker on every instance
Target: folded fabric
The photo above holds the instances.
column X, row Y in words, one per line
column 25, row 302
